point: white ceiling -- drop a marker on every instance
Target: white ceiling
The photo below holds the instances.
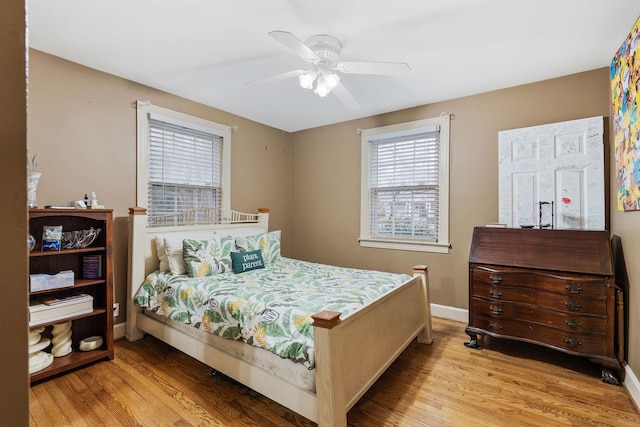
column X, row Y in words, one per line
column 206, row 50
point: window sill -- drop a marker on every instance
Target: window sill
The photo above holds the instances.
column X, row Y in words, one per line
column 403, row 245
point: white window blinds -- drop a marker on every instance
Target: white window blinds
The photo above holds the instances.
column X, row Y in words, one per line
column 184, row 168
column 404, row 186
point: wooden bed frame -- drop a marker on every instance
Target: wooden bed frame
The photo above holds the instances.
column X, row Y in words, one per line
column 342, row 376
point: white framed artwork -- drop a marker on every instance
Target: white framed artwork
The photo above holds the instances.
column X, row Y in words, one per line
column 552, row 175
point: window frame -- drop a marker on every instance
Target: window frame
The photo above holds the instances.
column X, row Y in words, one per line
column 441, row 245
column 144, row 110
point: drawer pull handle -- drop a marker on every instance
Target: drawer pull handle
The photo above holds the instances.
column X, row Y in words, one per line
column 575, row 306
column 495, row 278
column 573, row 288
column 495, row 293
column 573, row 323
column 573, row 342
column 495, row 309
column 495, row 325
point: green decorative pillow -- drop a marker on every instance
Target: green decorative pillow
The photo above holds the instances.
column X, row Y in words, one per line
column 207, row 257
column 247, row 261
column 268, row 243
column 169, row 249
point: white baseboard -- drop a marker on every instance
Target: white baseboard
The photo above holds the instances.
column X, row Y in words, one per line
column 452, row 313
column 118, row 330
column 632, row 385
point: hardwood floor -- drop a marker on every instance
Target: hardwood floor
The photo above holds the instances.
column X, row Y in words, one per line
column 444, row 384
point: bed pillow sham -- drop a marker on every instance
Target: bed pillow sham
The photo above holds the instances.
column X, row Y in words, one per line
column 169, row 249
column 208, row 257
column 247, row 261
column 268, row 243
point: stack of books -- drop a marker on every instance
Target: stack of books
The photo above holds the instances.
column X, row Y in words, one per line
column 50, row 308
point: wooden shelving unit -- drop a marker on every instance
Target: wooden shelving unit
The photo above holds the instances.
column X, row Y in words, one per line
column 100, row 320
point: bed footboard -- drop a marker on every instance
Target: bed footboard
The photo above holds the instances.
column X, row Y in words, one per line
column 381, row 331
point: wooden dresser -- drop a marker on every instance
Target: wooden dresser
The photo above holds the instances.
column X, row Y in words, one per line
column 549, row 287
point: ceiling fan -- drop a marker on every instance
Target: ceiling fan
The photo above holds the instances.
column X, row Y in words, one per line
column 323, row 52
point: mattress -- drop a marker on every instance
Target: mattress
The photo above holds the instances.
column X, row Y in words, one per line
column 286, row 369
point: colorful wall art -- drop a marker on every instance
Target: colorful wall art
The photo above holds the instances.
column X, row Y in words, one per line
column 625, row 91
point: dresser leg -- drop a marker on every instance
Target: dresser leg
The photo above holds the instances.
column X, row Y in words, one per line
column 473, row 342
column 609, row 377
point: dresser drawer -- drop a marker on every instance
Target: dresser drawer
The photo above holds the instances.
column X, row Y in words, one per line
column 561, row 302
column 567, row 321
column 574, row 285
column 533, row 332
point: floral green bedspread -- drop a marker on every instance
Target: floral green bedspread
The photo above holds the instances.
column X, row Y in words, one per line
column 269, row 308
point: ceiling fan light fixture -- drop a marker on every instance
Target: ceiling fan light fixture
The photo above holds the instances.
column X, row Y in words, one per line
column 307, row 79
column 323, row 51
column 332, row 80
column 325, row 82
column 322, row 88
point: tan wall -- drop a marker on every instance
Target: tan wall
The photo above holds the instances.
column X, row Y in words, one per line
column 326, row 175
column 14, row 388
column 83, row 128
column 325, row 182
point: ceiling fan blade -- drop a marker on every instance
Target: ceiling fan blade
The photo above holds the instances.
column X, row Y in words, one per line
column 277, row 77
column 295, row 44
column 345, row 97
column 376, row 68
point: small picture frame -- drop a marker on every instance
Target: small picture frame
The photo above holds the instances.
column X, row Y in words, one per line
column 51, row 236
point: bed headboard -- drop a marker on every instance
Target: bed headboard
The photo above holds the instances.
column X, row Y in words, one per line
column 143, row 230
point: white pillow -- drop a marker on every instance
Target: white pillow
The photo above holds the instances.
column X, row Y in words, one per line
column 161, row 252
column 175, row 254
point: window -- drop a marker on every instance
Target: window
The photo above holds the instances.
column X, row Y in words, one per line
column 405, row 186
column 183, row 161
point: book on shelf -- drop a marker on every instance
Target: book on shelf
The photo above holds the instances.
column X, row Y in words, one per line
column 91, row 266
column 39, row 312
column 58, row 299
